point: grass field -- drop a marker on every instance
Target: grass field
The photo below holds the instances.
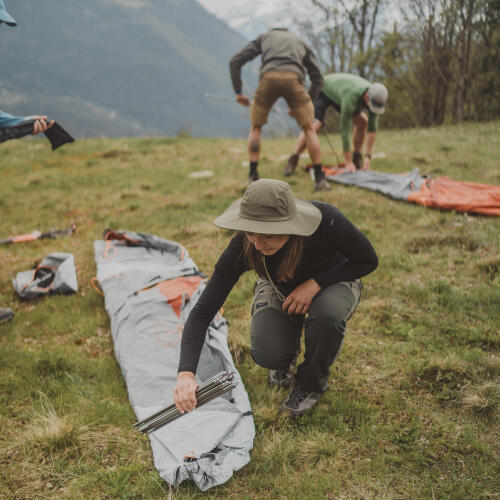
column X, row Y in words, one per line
column 412, row 410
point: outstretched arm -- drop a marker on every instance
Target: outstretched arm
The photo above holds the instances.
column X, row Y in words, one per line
column 247, row 53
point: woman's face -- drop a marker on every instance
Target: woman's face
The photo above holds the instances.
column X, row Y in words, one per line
column 268, row 244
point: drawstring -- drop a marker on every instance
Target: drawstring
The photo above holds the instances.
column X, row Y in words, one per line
column 278, row 293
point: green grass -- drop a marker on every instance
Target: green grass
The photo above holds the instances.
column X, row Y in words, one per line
column 412, row 411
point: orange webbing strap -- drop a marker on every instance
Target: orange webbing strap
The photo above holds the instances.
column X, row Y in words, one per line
column 26, row 237
column 178, row 329
column 93, row 282
column 33, row 279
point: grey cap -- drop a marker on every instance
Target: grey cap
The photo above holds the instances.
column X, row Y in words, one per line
column 377, row 94
column 268, row 206
column 5, row 17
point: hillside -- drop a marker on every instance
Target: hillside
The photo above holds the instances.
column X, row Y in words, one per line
column 121, row 67
column 412, row 409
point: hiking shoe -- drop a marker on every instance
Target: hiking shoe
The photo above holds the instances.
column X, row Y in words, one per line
column 291, row 165
column 322, row 185
column 357, row 159
column 299, row 401
column 280, row 378
column 252, row 177
column 6, row 314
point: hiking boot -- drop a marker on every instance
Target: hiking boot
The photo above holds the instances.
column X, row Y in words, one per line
column 299, row 401
column 283, row 377
column 322, row 185
column 291, row 165
column 280, row 378
column 252, row 178
column 357, row 159
column 6, row 314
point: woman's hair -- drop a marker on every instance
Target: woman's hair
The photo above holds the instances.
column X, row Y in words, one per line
column 286, row 269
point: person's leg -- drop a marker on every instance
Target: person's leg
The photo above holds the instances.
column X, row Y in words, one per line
column 324, row 332
column 275, row 336
column 254, row 150
column 359, row 135
column 264, row 98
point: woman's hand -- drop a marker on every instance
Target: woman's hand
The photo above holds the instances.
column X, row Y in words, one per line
column 299, row 301
column 40, row 124
column 184, row 392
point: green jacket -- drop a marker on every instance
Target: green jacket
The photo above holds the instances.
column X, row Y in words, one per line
column 347, row 91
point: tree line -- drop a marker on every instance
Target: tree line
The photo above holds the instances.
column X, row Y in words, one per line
column 440, row 59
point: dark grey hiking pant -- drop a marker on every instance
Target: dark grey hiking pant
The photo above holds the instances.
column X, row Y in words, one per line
column 275, row 336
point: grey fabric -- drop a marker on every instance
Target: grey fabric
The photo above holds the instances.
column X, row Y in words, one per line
column 56, row 273
column 6, row 314
column 146, row 332
column 397, row 186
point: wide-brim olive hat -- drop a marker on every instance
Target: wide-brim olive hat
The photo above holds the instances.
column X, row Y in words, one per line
column 268, row 206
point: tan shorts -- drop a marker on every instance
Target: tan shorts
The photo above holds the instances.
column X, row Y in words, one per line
column 276, row 84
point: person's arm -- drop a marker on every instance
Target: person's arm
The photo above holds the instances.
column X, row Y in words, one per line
column 370, row 141
column 8, row 120
column 348, row 107
column 226, row 273
column 247, row 53
column 343, row 236
column 312, row 66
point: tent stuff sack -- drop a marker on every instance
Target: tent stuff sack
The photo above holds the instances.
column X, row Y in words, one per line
column 56, row 134
column 440, row 193
column 150, row 285
column 56, row 273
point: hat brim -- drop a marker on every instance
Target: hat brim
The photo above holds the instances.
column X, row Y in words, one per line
column 378, row 110
column 6, row 18
column 303, row 223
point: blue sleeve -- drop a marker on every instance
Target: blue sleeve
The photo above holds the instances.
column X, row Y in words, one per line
column 7, row 120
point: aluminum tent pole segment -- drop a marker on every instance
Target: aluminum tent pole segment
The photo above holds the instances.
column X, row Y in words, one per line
column 229, row 99
column 171, row 410
column 213, row 396
column 165, row 419
column 201, row 388
column 166, row 412
column 331, row 146
column 207, row 388
column 175, row 414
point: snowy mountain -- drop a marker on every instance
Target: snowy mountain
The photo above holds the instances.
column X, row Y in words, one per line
column 252, row 18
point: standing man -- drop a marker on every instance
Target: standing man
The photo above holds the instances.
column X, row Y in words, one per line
column 7, row 120
column 286, row 59
column 352, row 97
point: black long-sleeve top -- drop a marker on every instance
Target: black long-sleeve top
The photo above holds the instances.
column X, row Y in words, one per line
column 336, row 251
column 282, row 51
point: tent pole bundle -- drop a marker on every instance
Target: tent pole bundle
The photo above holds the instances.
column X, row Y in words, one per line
column 210, row 389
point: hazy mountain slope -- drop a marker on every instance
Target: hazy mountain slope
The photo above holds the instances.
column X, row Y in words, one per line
column 119, row 67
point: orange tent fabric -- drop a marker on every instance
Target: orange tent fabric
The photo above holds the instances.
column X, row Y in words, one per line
column 175, row 289
column 446, row 194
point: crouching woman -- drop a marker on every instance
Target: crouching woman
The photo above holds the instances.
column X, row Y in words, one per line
column 309, row 259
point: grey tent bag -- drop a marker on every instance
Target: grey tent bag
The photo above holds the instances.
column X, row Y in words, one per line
column 56, row 273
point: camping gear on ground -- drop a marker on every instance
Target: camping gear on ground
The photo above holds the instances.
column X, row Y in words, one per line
column 56, row 273
column 210, row 389
column 56, row 134
column 37, row 235
column 150, row 285
column 440, row 193
column 6, row 314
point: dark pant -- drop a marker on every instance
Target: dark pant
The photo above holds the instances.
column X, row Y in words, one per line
column 275, row 336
